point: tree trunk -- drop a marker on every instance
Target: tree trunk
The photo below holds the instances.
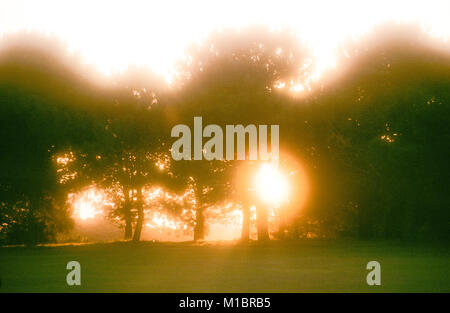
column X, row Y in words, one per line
column 199, row 229
column 245, row 235
column 261, row 217
column 295, row 228
column 283, row 225
column 127, row 215
column 140, row 220
column 282, row 229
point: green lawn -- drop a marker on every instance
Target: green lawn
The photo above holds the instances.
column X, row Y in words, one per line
column 310, row 266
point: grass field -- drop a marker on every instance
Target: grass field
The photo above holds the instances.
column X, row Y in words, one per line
column 311, row 266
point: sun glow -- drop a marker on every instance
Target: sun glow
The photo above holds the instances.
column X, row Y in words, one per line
column 271, row 184
column 159, row 220
column 115, row 34
column 89, row 203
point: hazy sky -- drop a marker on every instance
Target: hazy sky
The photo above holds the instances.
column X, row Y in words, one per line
column 113, row 34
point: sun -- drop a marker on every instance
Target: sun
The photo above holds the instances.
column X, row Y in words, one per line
column 88, row 203
column 86, row 210
column 271, row 184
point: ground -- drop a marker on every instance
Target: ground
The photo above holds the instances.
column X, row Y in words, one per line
column 309, row 266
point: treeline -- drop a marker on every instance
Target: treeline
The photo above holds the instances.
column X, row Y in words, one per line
column 372, row 136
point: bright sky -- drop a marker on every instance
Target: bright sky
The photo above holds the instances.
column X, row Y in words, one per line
column 112, row 34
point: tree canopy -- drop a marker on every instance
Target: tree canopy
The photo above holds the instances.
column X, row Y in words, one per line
column 371, row 142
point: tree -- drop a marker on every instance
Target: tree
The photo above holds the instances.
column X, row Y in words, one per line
column 41, row 104
column 232, row 78
column 132, row 154
column 209, row 184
